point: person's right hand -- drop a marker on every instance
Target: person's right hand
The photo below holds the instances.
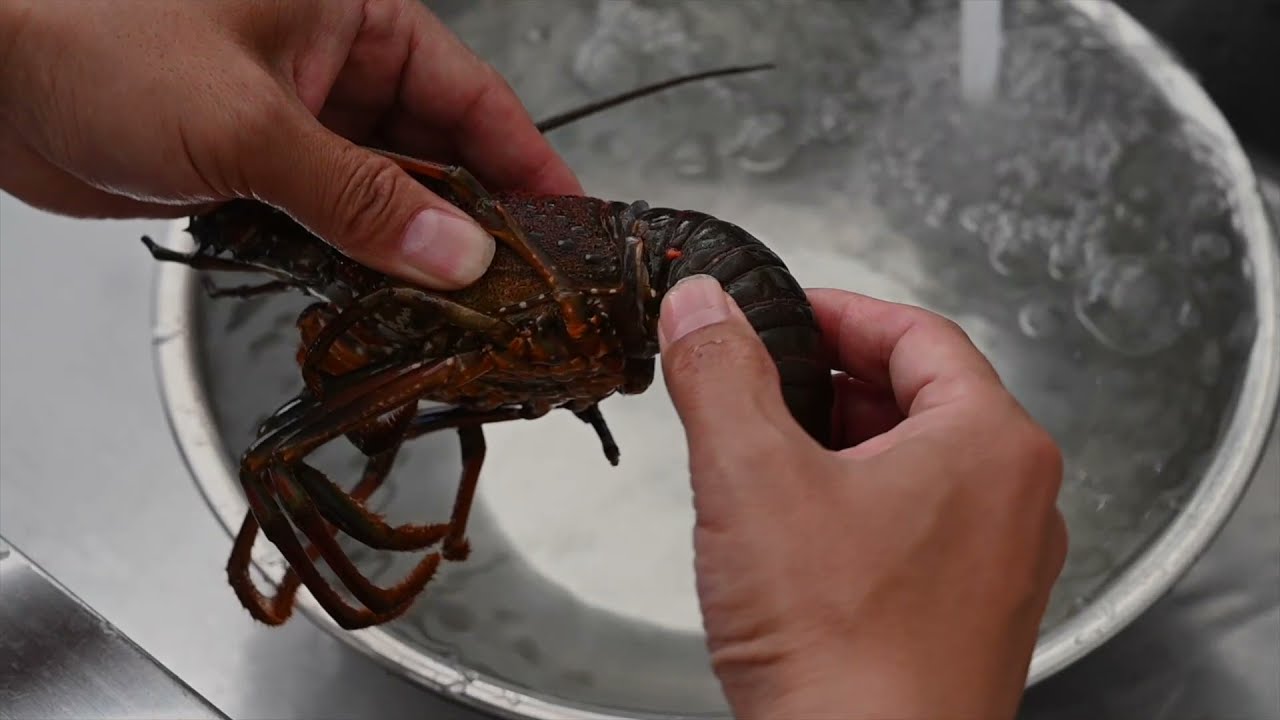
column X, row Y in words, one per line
column 903, row 577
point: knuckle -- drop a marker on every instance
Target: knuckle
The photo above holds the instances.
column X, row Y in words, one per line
column 715, row 352
column 760, row 450
column 1044, row 452
column 259, row 120
column 365, row 198
column 939, row 324
column 1039, row 459
column 950, row 327
column 954, row 335
column 489, row 89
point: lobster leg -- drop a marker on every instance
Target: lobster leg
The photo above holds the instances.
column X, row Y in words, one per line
column 339, row 358
column 204, row 262
column 456, row 546
column 357, row 521
column 306, row 518
column 471, row 437
column 277, row 609
column 593, row 417
column 458, row 315
column 494, row 217
column 276, row 527
column 271, row 456
column 365, row 527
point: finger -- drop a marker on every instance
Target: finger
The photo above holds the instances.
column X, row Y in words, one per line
column 862, row 411
column 448, row 91
column 364, row 203
column 720, row 377
column 924, row 358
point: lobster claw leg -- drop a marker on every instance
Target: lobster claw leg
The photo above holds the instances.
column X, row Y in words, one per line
column 593, row 417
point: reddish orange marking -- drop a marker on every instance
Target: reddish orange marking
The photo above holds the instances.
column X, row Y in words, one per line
column 673, row 254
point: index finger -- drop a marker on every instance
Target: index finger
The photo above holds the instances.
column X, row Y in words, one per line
column 450, row 90
column 898, row 347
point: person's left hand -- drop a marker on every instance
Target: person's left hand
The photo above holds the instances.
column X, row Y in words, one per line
column 140, row 108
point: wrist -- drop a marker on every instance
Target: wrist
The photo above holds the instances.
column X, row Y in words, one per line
column 801, row 681
column 836, row 683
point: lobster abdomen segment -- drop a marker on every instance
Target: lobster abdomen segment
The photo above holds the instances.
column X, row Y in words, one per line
column 763, row 287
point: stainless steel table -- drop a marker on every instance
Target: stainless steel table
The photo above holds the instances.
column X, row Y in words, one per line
column 62, row 660
column 93, row 490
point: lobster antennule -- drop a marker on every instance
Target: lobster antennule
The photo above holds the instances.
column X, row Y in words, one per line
column 569, row 116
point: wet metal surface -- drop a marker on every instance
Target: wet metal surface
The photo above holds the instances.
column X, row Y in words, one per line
column 1093, row 222
column 59, row 659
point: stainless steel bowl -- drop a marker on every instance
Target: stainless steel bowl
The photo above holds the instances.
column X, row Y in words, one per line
column 1094, row 225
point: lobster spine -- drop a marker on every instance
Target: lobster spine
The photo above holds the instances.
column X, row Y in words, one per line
column 680, row 244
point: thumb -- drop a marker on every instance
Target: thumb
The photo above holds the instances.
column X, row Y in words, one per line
column 368, row 207
column 721, row 379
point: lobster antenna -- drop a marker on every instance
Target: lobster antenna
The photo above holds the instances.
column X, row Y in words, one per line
column 565, row 118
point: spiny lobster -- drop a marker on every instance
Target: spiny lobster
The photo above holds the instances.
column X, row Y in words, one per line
column 565, row 316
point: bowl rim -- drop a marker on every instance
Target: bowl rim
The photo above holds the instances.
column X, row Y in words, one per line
column 1158, row 566
column 1165, row 559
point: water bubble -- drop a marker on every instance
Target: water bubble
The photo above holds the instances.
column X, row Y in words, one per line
column 1039, row 319
column 509, row 698
column 1019, row 171
column 691, row 158
column 1010, row 252
column 615, row 146
column 1166, row 503
column 1132, row 304
column 1064, row 260
column 833, row 122
column 536, row 35
column 1188, row 314
column 1210, row 363
column 935, row 213
column 647, row 29
column 1210, row 248
column 764, row 143
column 601, row 64
column 1209, row 203
column 975, row 217
column 458, row 687
column 1098, row 153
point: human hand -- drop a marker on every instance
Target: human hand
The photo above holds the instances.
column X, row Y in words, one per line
column 118, row 108
column 904, row 576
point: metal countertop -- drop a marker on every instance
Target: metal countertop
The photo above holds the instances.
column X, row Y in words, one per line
column 93, row 490
column 65, row 661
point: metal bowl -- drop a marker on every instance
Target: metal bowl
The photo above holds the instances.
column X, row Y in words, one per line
column 1093, row 224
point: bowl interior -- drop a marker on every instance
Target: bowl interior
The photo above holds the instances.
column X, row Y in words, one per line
column 1079, row 225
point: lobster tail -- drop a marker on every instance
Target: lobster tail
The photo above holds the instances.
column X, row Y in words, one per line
column 681, row 244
